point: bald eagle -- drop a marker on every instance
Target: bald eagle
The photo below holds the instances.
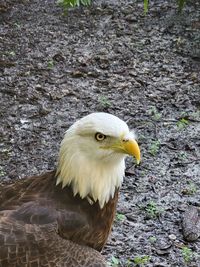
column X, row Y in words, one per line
column 64, row 217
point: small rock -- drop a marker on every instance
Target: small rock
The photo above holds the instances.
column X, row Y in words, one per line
column 191, row 224
column 24, row 121
column 43, row 110
column 163, row 244
column 38, row 86
column 59, row 57
column 131, row 18
column 182, row 207
column 93, row 74
column 172, row 237
column 77, row 74
column 162, row 252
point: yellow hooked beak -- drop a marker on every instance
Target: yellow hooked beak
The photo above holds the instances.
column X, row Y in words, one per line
column 129, row 147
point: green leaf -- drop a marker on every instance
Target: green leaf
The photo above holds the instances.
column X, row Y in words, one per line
column 146, row 5
column 115, row 261
column 182, row 123
column 73, row 3
column 120, row 217
column 154, row 148
column 187, row 254
column 181, row 4
column 141, row 260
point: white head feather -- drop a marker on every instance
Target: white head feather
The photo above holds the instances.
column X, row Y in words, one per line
column 91, row 170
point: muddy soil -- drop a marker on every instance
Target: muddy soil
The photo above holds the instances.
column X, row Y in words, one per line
column 110, row 57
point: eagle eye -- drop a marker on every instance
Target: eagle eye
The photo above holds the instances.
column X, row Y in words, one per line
column 100, row 136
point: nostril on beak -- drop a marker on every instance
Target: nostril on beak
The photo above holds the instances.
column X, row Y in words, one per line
column 125, row 140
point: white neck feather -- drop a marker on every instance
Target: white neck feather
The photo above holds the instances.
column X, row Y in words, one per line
column 89, row 177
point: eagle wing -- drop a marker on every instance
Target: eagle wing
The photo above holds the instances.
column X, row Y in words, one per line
column 37, row 217
column 32, row 245
column 20, row 203
column 32, row 227
column 29, row 201
column 69, row 223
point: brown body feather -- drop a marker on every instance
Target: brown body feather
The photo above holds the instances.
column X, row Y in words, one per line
column 42, row 224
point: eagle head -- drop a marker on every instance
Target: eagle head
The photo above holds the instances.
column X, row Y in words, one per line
column 92, row 156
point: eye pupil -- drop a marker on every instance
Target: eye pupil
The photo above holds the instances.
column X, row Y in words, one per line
column 100, row 136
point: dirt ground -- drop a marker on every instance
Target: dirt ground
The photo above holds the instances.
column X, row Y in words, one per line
column 110, row 57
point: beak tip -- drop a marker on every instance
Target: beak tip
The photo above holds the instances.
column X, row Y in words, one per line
column 138, row 161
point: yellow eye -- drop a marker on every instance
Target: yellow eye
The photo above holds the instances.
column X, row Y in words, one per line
column 100, row 136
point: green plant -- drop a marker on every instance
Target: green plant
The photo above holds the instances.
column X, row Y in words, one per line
column 181, row 4
column 6, row 150
column 12, row 53
column 187, row 254
column 73, row 3
column 182, row 123
column 191, row 189
column 17, row 25
column 120, row 217
column 152, row 239
column 50, row 64
column 114, row 262
column 154, row 147
column 141, row 260
column 104, row 101
column 146, row 5
column 182, row 155
column 76, row 3
column 153, row 210
column 2, row 172
column 155, row 114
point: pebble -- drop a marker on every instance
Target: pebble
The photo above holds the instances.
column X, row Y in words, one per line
column 172, row 237
column 131, row 18
column 162, row 252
